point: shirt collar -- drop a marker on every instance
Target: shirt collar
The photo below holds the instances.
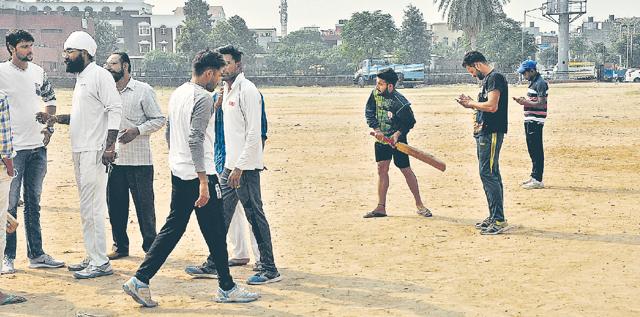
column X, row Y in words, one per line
column 236, row 82
column 87, row 69
column 131, row 85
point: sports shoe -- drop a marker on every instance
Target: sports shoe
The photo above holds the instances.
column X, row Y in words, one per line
column 484, row 224
column 264, row 278
column 533, row 184
column 78, row 267
column 93, row 271
column 45, row 261
column 114, row 255
column 139, row 291
column 7, row 266
column 201, row 271
column 236, row 295
column 496, row 227
column 527, row 181
column 238, row 262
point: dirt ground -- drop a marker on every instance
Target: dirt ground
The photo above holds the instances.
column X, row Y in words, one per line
column 574, row 249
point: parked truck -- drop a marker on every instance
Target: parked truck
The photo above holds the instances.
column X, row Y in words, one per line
column 409, row 75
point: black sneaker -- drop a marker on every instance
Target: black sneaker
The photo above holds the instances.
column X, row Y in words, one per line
column 496, row 227
column 201, row 271
column 484, row 224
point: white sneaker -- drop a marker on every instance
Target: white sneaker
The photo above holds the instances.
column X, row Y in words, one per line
column 236, row 295
column 93, row 271
column 7, row 266
column 533, row 184
column 527, row 181
column 140, row 292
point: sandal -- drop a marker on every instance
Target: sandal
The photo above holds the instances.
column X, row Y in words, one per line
column 12, row 299
column 375, row 214
column 424, row 211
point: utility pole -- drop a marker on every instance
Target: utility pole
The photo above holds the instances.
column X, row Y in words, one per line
column 566, row 11
column 524, row 25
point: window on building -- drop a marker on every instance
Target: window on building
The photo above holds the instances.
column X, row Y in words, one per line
column 163, row 30
column 145, row 47
column 51, row 30
column 164, row 48
column 144, row 29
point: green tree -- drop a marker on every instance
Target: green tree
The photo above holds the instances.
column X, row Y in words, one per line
column 578, row 47
column 470, row 16
column 196, row 28
column 234, row 31
column 549, row 57
column 414, row 42
column 501, row 43
column 107, row 40
column 299, row 53
column 369, row 34
column 158, row 63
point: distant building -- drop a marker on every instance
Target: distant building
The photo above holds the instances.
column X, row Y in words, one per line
column 547, row 40
column 598, row 32
column 441, row 33
column 51, row 22
column 266, row 37
column 333, row 37
column 216, row 12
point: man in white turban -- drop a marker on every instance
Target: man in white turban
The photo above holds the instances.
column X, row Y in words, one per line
column 94, row 122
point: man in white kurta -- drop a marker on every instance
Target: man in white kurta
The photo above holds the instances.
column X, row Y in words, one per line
column 94, row 123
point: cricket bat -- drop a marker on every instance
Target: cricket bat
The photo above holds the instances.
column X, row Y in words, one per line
column 12, row 223
column 418, row 154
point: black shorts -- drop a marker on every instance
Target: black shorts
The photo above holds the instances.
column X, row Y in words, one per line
column 385, row 152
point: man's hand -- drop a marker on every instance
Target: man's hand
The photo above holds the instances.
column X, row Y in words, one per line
column 395, row 138
column 50, row 120
column 128, row 135
column 218, row 103
column 520, row 100
column 379, row 135
column 234, row 178
column 465, row 101
column 47, row 136
column 109, row 156
column 43, row 117
column 203, row 197
column 8, row 163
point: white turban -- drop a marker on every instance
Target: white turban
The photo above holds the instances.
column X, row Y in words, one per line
column 81, row 41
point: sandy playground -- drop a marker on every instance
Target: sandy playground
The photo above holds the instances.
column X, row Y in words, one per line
column 574, row 249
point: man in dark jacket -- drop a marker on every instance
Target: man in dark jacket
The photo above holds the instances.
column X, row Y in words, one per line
column 390, row 116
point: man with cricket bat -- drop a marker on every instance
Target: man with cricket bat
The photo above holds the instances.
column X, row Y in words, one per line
column 390, row 116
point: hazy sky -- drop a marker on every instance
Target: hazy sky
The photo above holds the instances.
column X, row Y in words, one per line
column 326, row 13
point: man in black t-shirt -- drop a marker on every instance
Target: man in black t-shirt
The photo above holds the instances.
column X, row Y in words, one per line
column 490, row 126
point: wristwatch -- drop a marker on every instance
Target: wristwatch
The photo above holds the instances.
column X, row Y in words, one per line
column 51, row 129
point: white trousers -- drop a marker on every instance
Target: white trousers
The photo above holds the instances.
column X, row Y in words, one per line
column 237, row 238
column 91, row 178
column 5, row 184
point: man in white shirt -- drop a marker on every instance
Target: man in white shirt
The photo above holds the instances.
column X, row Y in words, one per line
column 240, row 180
column 26, row 86
column 133, row 169
column 194, row 184
column 94, row 123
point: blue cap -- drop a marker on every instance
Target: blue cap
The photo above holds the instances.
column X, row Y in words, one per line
column 527, row 65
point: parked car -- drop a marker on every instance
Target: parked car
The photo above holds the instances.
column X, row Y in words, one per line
column 632, row 75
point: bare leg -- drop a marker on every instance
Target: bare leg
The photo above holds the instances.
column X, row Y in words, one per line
column 383, row 186
column 412, row 181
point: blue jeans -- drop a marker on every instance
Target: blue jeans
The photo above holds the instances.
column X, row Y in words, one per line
column 32, row 167
column 488, row 146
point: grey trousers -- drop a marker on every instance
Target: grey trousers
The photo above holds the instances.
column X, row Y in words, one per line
column 488, row 147
column 248, row 194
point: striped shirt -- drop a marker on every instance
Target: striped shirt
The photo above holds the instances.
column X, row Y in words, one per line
column 140, row 110
column 6, row 144
column 537, row 88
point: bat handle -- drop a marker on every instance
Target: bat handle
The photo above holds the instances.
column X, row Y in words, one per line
column 385, row 139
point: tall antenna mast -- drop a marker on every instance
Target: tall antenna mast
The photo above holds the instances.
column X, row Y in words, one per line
column 284, row 17
column 563, row 12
